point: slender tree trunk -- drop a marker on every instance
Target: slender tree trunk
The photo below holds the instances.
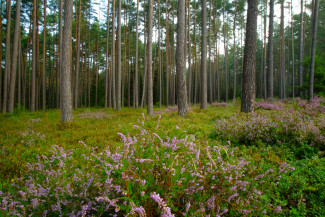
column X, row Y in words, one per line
column 301, row 48
column 144, row 86
column 293, row 54
column 234, row 53
column 44, row 59
column 167, row 56
column 159, row 58
column 12, row 85
column 33, row 95
column 282, row 53
column 66, row 63
column 7, row 59
column 270, row 55
column 136, row 76
column 264, row 67
column 118, row 82
column 195, row 59
column 76, row 90
column 189, row 54
column 248, row 81
column 313, row 52
column 58, row 101
column 210, row 66
column 149, row 60
column 225, row 35
column 107, row 59
column 19, row 71
column 180, row 60
column 1, row 54
column 113, row 57
column 203, row 57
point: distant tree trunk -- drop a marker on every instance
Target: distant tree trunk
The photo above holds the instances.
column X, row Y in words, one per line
column 12, row 85
column 282, row 54
column 7, row 59
column 33, row 95
column 180, row 60
column 58, row 100
column 149, row 60
column 144, row 86
column 19, row 71
column 195, row 61
column 189, row 55
column 225, row 35
column 301, row 48
column 1, row 54
column 293, row 54
column 159, row 58
column 113, row 57
column 264, row 67
column 136, row 76
column 44, row 59
column 210, row 65
column 66, row 63
column 203, row 57
column 313, row 52
column 270, row 54
column 248, row 80
column 76, row 90
column 167, row 56
column 234, row 52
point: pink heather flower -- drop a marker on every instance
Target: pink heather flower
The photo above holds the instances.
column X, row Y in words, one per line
column 278, row 209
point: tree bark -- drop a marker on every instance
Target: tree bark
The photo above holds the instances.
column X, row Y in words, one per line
column 248, row 80
column 203, row 57
column 1, row 54
column 33, row 95
column 44, row 59
column 76, row 90
column 270, row 54
column 167, row 56
column 301, row 48
column 149, row 60
column 136, row 76
column 66, row 63
column 313, row 52
column 12, row 85
column 234, row 53
column 118, row 82
column 189, row 54
column 282, row 54
column 180, row 60
column 113, row 57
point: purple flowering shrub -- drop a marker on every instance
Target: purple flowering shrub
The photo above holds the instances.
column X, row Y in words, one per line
column 271, row 128
column 149, row 175
column 264, row 105
column 312, row 108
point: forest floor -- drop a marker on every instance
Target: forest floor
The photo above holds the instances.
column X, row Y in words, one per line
column 279, row 136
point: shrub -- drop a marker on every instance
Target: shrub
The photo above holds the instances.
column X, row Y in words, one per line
column 150, row 174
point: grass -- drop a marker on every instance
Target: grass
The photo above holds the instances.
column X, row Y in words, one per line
column 25, row 135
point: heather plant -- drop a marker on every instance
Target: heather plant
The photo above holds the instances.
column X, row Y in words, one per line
column 289, row 127
column 264, row 105
column 30, row 136
column 311, row 108
column 150, row 174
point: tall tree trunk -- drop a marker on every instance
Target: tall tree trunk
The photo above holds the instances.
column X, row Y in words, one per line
column 270, row 54
column 7, row 59
column 136, row 76
column 118, row 82
column 58, row 101
column 33, row 95
column 293, row 54
column 113, row 57
column 144, row 86
column 19, row 71
column 76, row 90
column 313, row 52
column 180, row 60
column 301, row 48
column 282, row 54
column 195, row 60
column 1, row 54
column 189, row 54
column 11, row 97
column 203, row 57
column 44, row 59
column 210, row 65
column 159, row 58
column 107, row 59
column 225, row 35
column 234, row 53
column 248, row 80
column 149, row 60
column 66, row 63
column 167, row 56
column 264, row 67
